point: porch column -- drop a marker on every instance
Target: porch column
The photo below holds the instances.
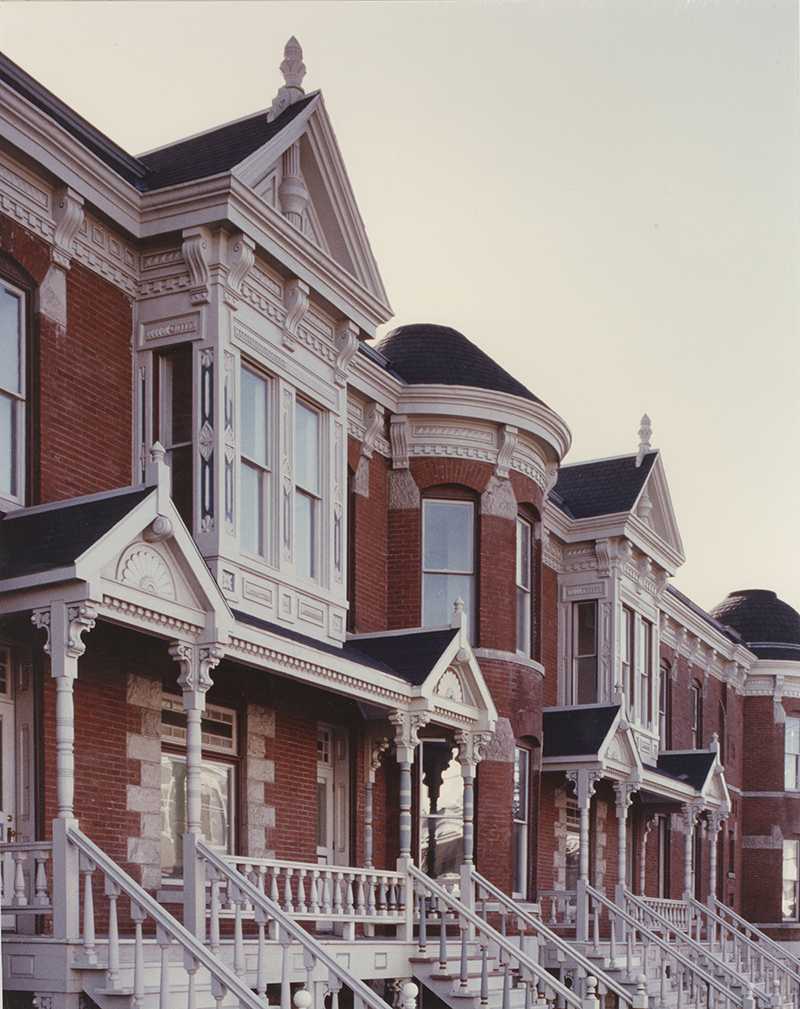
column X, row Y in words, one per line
column 471, row 749
column 624, row 792
column 407, row 725
column 584, row 781
column 690, row 813
column 715, row 821
column 65, row 623
column 196, row 663
column 375, row 749
column 647, row 826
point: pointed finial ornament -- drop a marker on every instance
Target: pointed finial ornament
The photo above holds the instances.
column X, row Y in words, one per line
column 644, row 440
column 293, row 70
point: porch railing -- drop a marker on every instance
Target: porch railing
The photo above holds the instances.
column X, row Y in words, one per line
column 734, row 920
column 170, row 935
column 510, row 957
column 682, row 967
column 26, row 877
column 559, row 907
column 245, row 895
column 488, row 893
column 342, row 895
column 676, row 912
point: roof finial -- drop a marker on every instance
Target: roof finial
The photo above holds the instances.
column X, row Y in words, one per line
column 644, row 440
column 293, row 70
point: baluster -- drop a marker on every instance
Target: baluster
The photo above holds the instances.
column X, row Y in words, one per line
column 484, row 972
column 138, row 916
column 191, row 966
column 629, row 953
column 349, row 904
column 239, row 964
column 423, row 925
column 464, row 966
column 112, row 892
column 361, row 902
column 302, row 907
column 20, row 890
column 391, row 897
column 662, row 994
column 164, row 940
column 87, row 867
column 286, row 992
column 505, row 987
column 503, row 955
column 288, row 906
column 612, row 921
column 327, row 896
column 41, row 897
column 372, row 885
column 336, row 879
column 261, row 963
column 596, row 930
column 214, row 897
column 274, row 892
column 314, row 894
column 382, row 902
column 442, row 940
column 261, row 878
column 218, row 990
column 334, row 986
column 679, row 975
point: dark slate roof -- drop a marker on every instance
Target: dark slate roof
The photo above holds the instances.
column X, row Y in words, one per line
column 769, row 626
column 216, row 151
column 410, row 656
column 195, row 158
column 604, row 487
column 426, row 354
column 44, row 540
column 728, row 631
column 691, row 766
column 576, row 732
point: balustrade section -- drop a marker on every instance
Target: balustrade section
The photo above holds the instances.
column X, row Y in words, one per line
column 26, row 882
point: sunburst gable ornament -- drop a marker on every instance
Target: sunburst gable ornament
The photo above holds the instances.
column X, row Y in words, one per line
column 144, row 569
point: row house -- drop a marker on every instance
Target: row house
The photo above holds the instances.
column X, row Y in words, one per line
column 314, row 654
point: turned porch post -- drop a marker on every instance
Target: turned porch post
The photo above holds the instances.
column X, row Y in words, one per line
column 407, row 725
column 584, row 781
column 715, row 821
column 375, row 749
column 65, row 623
column 690, row 814
column 472, row 746
column 196, row 663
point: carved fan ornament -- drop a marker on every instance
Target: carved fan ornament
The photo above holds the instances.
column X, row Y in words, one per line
column 449, row 686
column 144, row 569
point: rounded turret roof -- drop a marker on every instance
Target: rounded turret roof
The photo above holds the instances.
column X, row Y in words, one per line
column 427, row 354
column 769, row 626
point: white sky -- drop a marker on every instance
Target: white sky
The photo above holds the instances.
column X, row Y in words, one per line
column 603, row 194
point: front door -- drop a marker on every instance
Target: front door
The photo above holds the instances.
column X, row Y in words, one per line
column 333, row 795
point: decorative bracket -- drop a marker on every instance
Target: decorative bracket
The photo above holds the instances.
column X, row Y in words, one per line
column 196, row 244
column 506, row 443
column 585, row 782
column 347, row 344
column 377, row 748
column 68, row 215
column 196, row 663
column 472, row 748
column 65, row 626
column 398, row 433
column 243, row 256
column 295, row 301
column 374, row 417
column 407, row 728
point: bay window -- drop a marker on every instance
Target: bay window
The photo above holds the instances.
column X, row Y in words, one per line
column 448, row 560
column 12, row 393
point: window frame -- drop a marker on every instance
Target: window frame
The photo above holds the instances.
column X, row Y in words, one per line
column 313, row 495
column 524, row 593
column 264, row 470
column 578, row 607
column 665, row 705
column 470, row 605
column 792, row 846
column 696, row 714
column 521, row 822
column 791, row 757
column 19, row 398
column 164, row 428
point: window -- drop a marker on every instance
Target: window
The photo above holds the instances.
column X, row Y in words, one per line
column 637, row 666
column 12, row 393
column 448, row 560
column 173, row 422
column 665, row 706
column 696, row 715
column 217, row 781
column 573, row 847
column 524, row 595
column 791, row 778
column 522, row 789
column 664, row 849
column 256, row 468
column 644, row 655
column 584, row 650
column 307, row 491
column 791, row 876
column 441, row 790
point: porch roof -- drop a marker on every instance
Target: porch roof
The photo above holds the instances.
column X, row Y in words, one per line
column 576, row 732
column 691, row 766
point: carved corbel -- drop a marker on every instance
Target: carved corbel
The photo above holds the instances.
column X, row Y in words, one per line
column 346, row 346
column 196, row 663
column 695, row 653
column 624, row 792
column 407, row 728
column 663, row 624
column 375, row 751
column 242, row 255
column 551, row 477
column 506, row 443
column 472, row 748
column 662, row 581
column 643, row 569
column 65, row 627
column 691, row 813
column 295, row 301
column 398, row 433
column 611, row 554
column 195, row 248
column 374, row 417
column 68, row 215
column 585, row 782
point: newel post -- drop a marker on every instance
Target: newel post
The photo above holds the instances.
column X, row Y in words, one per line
column 196, row 662
column 65, row 623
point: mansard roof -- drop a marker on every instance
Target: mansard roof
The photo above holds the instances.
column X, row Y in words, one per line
column 601, row 487
column 769, row 626
column 216, row 150
column 33, row 540
column 429, row 354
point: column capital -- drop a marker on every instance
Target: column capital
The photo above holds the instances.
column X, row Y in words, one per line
column 624, row 792
column 472, row 747
column 407, row 727
column 585, row 781
column 691, row 812
column 65, row 623
column 196, row 662
column 375, row 751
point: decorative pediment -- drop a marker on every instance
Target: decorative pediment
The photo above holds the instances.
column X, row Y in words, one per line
column 450, row 685
column 654, row 507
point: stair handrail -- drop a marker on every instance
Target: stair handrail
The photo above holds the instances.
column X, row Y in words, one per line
column 570, row 997
column 165, row 921
column 708, row 979
column 289, row 926
column 781, row 952
column 556, row 940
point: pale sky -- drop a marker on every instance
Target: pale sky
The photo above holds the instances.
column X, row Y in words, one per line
column 602, row 194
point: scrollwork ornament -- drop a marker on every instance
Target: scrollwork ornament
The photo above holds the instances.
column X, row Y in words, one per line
column 80, row 618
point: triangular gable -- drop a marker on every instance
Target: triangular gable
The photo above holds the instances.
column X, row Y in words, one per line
column 655, row 501
column 331, row 219
column 619, row 754
column 592, row 735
